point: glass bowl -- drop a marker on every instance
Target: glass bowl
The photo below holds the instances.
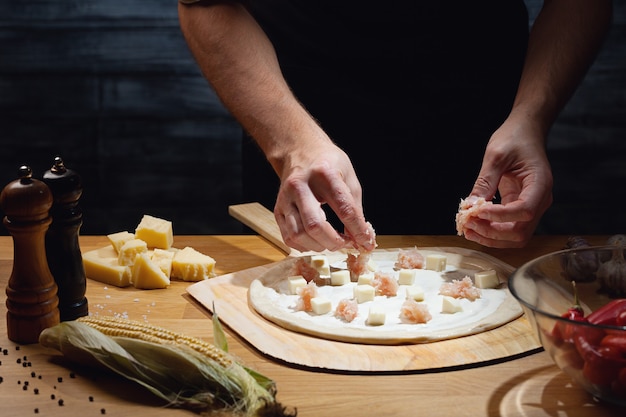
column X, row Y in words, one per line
column 592, row 351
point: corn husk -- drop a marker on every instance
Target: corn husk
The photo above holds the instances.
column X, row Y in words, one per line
column 181, row 376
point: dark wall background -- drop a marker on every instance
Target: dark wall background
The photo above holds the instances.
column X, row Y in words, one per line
column 112, row 88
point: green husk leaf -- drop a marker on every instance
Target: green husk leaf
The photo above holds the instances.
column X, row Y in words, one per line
column 219, row 336
column 181, row 376
column 219, row 340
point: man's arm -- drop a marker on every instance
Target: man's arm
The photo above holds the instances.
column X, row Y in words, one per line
column 240, row 63
column 563, row 43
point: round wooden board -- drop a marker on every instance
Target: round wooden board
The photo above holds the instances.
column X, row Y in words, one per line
column 227, row 296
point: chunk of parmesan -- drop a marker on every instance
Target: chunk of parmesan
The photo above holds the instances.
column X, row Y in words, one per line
column 118, row 239
column 147, row 275
column 129, row 251
column 156, row 232
column 190, row 265
column 101, row 265
column 163, row 259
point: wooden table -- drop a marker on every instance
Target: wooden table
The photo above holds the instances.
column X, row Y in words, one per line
column 530, row 385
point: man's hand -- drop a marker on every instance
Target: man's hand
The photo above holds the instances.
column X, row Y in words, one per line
column 515, row 163
column 311, row 177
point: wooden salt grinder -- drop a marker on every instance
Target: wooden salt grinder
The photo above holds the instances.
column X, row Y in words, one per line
column 32, row 302
column 62, row 247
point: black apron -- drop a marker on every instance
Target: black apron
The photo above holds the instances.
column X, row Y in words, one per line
column 410, row 90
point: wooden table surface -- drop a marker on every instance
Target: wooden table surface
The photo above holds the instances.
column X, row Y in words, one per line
column 530, row 385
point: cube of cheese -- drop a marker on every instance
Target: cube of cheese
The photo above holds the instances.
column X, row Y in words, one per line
column 129, row 251
column 436, row 262
column 341, row 277
column 321, row 264
column 147, row 275
column 406, row 276
column 365, row 279
column 321, row 305
column 376, row 316
column 101, row 265
column 371, row 265
column 486, row 279
column 450, row 305
column 364, row 293
column 118, row 239
column 295, row 282
column 415, row 292
column 156, row 232
column 163, row 259
column 190, row 265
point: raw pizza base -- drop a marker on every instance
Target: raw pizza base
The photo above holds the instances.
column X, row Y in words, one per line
column 269, row 296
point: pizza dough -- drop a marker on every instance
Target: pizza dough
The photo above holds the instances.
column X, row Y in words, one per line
column 270, row 297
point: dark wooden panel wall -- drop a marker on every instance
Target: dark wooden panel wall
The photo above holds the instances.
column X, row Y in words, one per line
column 587, row 144
column 111, row 87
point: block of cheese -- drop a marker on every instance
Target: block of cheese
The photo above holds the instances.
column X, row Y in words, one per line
column 415, row 292
column 341, row 277
column 450, row 305
column 147, row 275
column 321, row 305
column 376, row 316
column 156, row 232
column 486, row 279
column 163, row 259
column 101, row 265
column 295, row 282
column 321, row 264
column 371, row 265
column 406, row 276
column 365, row 279
column 190, row 265
column 364, row 293
column 129, row 250
column 118, row 239
column 436, row 262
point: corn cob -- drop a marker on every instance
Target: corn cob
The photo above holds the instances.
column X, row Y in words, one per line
column 117, row 327
column 185, row 371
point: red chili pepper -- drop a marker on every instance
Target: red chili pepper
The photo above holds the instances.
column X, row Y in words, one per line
column 608, row 314
column 602, row 365
column 616, row 341
column 566, row 331
column 621, row 319
column 622, row 376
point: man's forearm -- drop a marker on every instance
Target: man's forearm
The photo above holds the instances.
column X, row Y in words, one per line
column 240, row 63
column 563, row 43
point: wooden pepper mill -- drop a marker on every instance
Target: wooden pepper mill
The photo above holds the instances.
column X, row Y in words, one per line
column 62, row 247
column 32, row 302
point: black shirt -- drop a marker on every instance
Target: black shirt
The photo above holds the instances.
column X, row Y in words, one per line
column 411, row 90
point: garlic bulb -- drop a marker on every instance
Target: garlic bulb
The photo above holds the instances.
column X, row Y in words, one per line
column 612, row 273
column 579, row 266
